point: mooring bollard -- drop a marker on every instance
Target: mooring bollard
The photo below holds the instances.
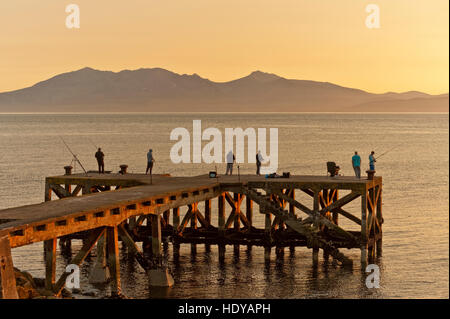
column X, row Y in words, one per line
column 68, row 170
column 370, row 174
column 123, row 169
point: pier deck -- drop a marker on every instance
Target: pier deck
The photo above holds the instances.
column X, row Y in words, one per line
column 137, row 208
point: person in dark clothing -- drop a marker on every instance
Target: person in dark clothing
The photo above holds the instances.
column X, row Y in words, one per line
column 101, row 165
column 258, row 163
column 150, row 161
column 372, row 161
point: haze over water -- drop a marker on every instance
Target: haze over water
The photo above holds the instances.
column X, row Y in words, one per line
column 415, row 197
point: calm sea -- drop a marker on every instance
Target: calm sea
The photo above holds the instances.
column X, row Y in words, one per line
column 415, row 183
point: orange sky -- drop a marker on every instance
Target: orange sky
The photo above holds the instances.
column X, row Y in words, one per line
column 324, row 40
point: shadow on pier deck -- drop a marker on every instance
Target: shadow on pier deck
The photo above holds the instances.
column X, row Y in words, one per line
column 102, row 209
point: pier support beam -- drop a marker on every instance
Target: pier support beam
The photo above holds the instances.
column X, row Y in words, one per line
column 48, row 192
column 237, row 211
column 176, row 225
column 249, row 212
column 291, row 205
column 268, row 235
column 176, row 219
column 316, row 206
column 334, row 198
column 8, row 288
column 158, row 274
column 221, row 222
column 221, row 214
column 379, row 216
column 208, row 211
column 112, row 244
column 100, row 272
column 363, row 246
column 156, row 236
column 50, row 263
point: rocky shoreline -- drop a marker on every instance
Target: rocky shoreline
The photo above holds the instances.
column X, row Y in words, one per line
column 34, row 288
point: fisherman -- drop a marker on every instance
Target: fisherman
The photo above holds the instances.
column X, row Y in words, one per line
column 372, row 161
column 356, row 162
column 150, row 161
column 259, row 159
column 230, row 160
column 101, row 165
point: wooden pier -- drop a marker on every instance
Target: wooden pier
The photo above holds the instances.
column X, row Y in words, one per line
column 103, row 209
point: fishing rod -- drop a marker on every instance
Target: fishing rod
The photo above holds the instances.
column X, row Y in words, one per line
column 386, row 152
column 75, row 158
column 92, row 143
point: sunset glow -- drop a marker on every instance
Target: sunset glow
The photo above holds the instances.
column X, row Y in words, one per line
column 323, row 40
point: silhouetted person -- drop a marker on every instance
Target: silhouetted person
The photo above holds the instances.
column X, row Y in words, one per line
column 230, row 161
column 259, row 159
column 101, row 164
column 150, row 161
column 372, row 161
column 356, row 162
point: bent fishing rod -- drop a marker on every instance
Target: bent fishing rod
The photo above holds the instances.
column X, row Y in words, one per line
column 74, row 156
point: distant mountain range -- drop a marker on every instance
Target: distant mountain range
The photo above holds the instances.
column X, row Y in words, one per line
column 159, row 90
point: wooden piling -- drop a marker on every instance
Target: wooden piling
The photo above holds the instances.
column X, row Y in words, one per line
column 176, row 225
column 379, row 216
column 7, row 278
column 100, row 272
column 291, row 206
column 48, row 192
column 249, row 212
column 194, row 218
column 237, row 210
column 176, row 219
column 50, row 263
column 208, row 211
column 221, row 214
column 316, row 206
column 363, row 246
column 156, row 236
column 113, row 259
column 268, row 235
column 334, row 198
column 166, row 217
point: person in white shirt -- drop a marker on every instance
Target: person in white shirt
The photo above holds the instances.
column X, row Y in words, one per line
column 259, row 160
column 230, row 161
